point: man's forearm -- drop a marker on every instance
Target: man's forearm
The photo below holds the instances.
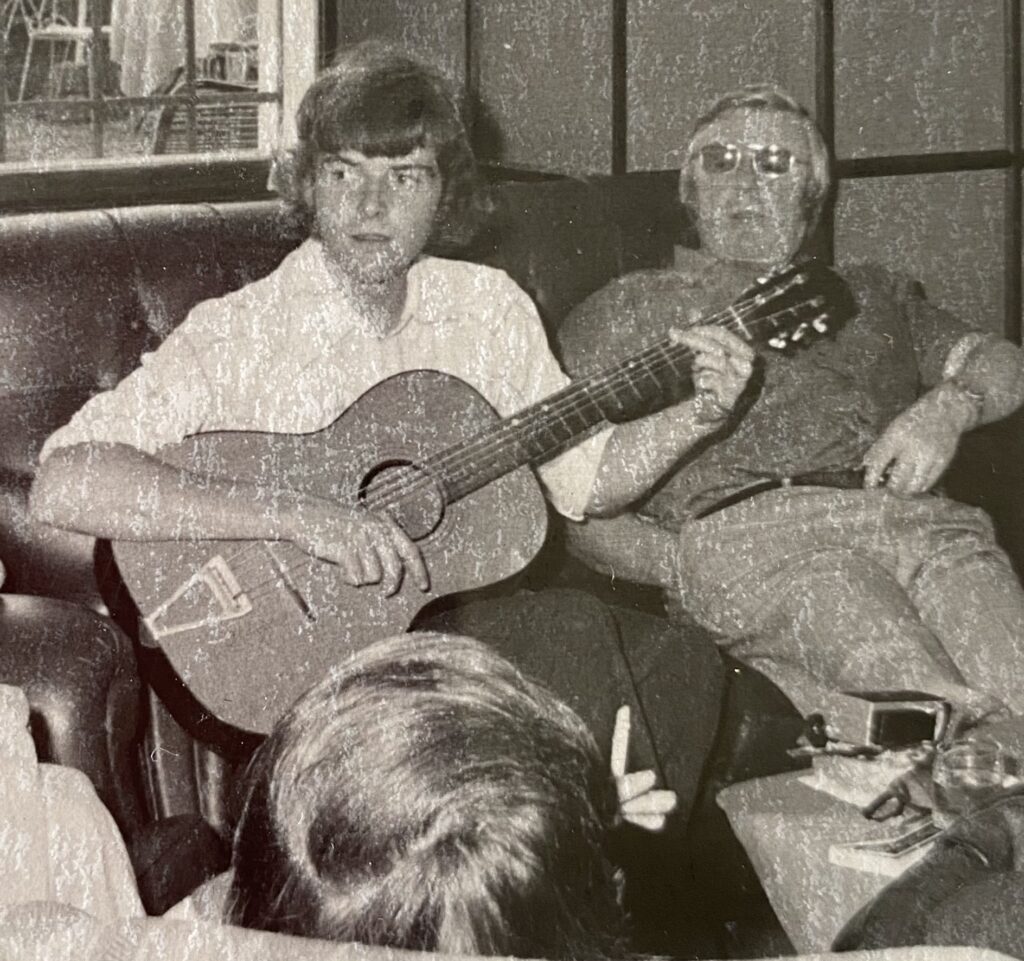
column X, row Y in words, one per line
column 117, row 492
column 640, row 453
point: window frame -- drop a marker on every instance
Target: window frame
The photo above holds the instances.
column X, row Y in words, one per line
column 290, row 52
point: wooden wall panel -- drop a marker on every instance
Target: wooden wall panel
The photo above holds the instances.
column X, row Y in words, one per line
column 946, row 230
column 683, row 54
column 434, row 30
column 915, row 77
column 545, row 83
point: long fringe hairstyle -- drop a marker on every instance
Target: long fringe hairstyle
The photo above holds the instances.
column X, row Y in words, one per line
column 381, row 102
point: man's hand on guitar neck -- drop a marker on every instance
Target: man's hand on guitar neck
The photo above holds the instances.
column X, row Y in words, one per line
column 639, row 453
column 367, row 548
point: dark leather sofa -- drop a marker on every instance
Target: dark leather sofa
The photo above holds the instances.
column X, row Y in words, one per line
column 83, row 294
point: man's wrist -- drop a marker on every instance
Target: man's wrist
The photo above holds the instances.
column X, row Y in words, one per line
column 962, row 402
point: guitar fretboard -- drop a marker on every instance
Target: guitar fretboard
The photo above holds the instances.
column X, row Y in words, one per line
column 548, row 427
column 545, row 429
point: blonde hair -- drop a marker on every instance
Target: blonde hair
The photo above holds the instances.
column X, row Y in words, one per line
column 428, row 796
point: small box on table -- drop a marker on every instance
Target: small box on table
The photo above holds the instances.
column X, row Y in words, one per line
column 885, row 719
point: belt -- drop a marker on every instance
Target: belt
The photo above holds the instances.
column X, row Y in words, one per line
column 848, row 479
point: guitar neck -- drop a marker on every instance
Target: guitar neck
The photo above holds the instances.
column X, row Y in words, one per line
column 549, row 427
column 786, row 308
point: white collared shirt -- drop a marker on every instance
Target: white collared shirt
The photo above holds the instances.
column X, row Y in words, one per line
column 288, row 354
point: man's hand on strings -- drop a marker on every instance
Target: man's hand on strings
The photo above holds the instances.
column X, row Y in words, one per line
column 722, row 365
column 639, row 803
column 368, row 548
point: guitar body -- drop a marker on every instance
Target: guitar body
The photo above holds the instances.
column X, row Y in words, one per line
column 250, row 625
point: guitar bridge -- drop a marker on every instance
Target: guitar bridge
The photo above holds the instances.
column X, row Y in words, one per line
column 210, row 596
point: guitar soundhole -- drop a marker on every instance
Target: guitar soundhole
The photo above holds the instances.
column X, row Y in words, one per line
column 410, row 494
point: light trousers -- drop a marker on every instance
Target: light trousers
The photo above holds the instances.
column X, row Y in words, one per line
column 825, row 590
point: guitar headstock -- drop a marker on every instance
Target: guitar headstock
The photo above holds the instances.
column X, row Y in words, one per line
column 794, row 307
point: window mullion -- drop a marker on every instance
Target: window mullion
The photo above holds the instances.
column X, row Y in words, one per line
column 96, row 65
column 299, row 44
column 3, row 96
column 190, row 73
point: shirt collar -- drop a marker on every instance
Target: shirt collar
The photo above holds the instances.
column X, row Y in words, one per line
column 312, row 264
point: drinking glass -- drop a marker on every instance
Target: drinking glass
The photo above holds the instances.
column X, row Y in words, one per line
column 967, row 775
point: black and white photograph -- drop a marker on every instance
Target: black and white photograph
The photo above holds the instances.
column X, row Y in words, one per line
column 535, row 479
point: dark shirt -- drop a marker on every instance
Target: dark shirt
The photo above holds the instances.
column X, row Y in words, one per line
column 818, row 409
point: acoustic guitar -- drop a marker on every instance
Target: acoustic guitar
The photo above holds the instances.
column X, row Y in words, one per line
column 249, row 625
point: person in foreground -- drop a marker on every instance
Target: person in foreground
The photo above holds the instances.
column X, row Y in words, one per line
column 473, row 821
column 808, row 531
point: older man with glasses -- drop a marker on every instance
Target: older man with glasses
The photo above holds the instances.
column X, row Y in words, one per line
column 807, row 530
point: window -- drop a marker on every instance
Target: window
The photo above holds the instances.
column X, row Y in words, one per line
column 133, row 101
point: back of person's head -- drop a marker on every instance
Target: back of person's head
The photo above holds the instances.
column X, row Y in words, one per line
column 427, row 796
column 766, row 96
column 379, row 101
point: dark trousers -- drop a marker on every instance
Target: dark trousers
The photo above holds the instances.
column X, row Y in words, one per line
column 597, row 658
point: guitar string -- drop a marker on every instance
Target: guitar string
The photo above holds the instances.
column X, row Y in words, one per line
column 572, row 400
column 404, row 488
column 385, row 496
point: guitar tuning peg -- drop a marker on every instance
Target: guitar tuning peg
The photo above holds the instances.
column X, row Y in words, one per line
column 817, row 302
column 820, row 323
column 799, row 332
column 763, row 279
column 778, row 342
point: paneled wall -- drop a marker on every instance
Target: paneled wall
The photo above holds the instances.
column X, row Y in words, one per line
column 944, row 229
column 682, row 54
column 541, row 71
column 433, row 29
column 915, row 95
column 545, row 76
column 914, row 76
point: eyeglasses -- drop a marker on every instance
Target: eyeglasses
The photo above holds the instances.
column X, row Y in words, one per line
column 769, row 161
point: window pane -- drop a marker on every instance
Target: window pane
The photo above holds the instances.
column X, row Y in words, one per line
column 49, row 57
column 148, row 41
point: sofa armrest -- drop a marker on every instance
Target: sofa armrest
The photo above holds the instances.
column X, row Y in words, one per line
column 78, row 672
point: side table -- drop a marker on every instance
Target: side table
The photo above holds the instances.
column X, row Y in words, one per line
column 786, row 828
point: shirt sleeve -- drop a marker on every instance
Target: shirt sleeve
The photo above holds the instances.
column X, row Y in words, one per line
column 530, row 373
column 164, row 400
column 935, row 332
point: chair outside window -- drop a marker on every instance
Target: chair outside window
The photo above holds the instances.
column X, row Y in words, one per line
column 44, row 23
